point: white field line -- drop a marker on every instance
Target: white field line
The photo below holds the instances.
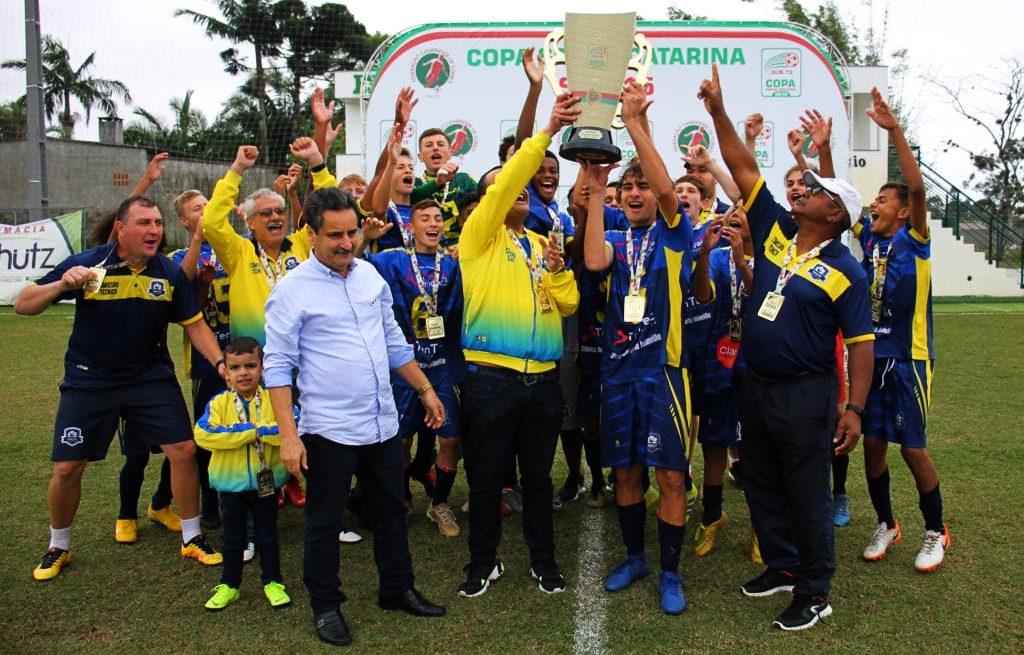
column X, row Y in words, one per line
column 591, row 637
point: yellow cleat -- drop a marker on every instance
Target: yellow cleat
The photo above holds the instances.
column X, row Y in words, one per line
column 126, row 531
column 53, row 561
column 706, row 534
column 166, row 517
column 755, row 549
column 199, row 549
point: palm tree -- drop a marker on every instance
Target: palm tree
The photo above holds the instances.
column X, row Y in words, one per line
column 185, row 136
column 63, row 82
column 245, row 21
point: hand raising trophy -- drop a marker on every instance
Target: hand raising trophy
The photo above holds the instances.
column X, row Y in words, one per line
column 598, row 54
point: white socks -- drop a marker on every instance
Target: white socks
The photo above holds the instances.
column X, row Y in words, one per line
column 60, row 538
column 190, row 529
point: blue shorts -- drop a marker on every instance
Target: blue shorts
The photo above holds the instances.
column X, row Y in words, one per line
column 411, row 413
column 696, row 380
column 897, row 406
column 153, row 412
column 720, row 421
column 588, row 398
column 646, row 422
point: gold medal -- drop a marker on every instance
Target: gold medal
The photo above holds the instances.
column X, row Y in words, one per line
column 876, row 310
column 633, row 308
column 435, row 327
column 771, row 306
column 735, row 329
column 93, row 285
column 543, row 299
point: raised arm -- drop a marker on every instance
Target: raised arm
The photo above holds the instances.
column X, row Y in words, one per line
column 740, row 162
column 153, row 172
column 702, row 269
column 404, row 104
column 752, row 126
column 216, row 216
column 820, row 131
column 700, row 156
column 884, row 118
column 382, row 191
column 634, row 115
column 795, row 142
column 596, row 254
column 534, row 69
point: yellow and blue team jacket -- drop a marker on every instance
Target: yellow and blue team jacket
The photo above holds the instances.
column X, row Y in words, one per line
column 249, row 287
column 503, row 324
column 235, row 462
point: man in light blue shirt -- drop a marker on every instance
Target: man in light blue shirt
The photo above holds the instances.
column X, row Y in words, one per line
column 331, row 319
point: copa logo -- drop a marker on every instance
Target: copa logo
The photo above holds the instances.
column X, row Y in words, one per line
column 694, row 133
column 780, row 73
column 72, row 437
column 291, row 263
column 819, row 272
column 433, row 69
column 461, row 136
column 157, row 288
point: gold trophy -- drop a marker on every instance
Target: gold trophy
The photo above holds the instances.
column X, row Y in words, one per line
column 598, row 54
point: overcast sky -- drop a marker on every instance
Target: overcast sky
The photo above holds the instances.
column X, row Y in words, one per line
column 159, row 56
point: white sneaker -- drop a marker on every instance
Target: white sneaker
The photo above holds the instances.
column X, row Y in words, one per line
column 349, row 537
column 249, row 553
column 933, row 551
column 881, row 540
column 442, row 515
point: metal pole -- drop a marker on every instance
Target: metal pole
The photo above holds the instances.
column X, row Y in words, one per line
column 35, row 142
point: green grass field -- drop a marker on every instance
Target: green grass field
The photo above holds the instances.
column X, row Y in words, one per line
column 144, row 598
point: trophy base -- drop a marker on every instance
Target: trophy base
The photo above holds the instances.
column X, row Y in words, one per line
column 593, row 144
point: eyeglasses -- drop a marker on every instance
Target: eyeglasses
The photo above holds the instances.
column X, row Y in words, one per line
column 267, row 213
column 816, row 189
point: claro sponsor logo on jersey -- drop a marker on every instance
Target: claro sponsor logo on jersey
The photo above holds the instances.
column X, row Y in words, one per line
column 780, row 73
column 462, row 136
column 433, row 69
column 694, row 133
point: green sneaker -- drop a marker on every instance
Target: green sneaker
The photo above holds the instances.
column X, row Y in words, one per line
column 223, row 596
column 276, row 594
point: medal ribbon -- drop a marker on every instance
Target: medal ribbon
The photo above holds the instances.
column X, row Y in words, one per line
column 785, row 273
column 405, row 228
column 429, row 295
column 533, row 265
column 243, row 416
column 878, row 283
column 636, row 270
column 736, row 287
column 556, row 220
column 273, row 273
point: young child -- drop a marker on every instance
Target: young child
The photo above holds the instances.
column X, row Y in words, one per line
column 240, row 429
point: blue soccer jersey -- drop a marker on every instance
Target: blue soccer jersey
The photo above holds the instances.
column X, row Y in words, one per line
column 721, row 362
column 901, row 291
column 634, row 351
column 593, row 292
column 440, row 358
column 216, row 312
column 120, row 331
column 542, row 216
column 826, row 293
column 400, row 234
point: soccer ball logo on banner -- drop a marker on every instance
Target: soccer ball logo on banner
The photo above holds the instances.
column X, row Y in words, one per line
column 461, row 136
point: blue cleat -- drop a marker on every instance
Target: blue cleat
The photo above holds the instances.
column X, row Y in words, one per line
column 632, row 568
column 841, row 510
column 672, row 599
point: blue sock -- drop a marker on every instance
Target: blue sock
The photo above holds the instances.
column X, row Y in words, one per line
column 631, row 523
column 670, row 537
column 712, row 503
column 931, row 507
column 878, row 489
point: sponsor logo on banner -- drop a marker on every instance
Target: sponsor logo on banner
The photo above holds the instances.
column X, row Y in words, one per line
column 462, row 137
column 780, row 73
column 764, row 146
column 433, row 69
column 694, row 133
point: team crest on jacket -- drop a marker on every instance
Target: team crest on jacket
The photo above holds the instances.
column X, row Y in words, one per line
column 819, row 272
column 72, row 437
column 157, row 288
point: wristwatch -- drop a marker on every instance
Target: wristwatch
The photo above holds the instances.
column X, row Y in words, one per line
column 856, row 409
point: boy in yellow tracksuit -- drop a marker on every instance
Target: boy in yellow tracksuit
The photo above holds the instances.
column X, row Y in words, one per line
column 240, row 429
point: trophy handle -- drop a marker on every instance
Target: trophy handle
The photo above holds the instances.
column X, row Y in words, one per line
column 640, row 64
column 553, row 56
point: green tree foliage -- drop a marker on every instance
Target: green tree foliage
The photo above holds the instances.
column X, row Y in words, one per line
column 829, row 22
column 63, row 82
column 13, row 120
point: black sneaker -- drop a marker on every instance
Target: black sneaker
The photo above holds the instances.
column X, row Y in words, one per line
column 549, row 578
column 803, row 612
column 768, row 583
column 479, row 578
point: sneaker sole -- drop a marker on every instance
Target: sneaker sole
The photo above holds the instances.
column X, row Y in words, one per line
column 540, row 585
column 936, row 567
column 881, row 556
column 825, row 613
column 487, row 583
column 767, row 593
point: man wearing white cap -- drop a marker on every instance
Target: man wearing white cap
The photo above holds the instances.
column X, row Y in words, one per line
column 806, row 287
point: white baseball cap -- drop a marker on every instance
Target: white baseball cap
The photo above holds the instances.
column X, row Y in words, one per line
column 841, row 189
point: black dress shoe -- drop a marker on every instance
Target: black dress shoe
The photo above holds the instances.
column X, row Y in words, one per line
column 411, row 601
column 331, row 627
